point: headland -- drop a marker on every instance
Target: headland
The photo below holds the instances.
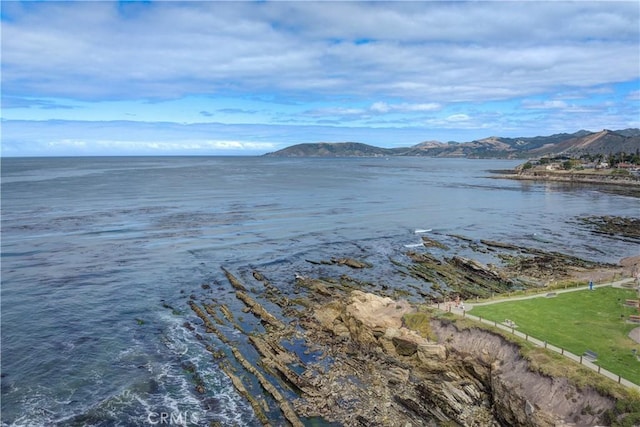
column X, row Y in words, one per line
column 340, row 349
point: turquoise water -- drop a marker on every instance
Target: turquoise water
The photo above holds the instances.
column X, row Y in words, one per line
column 100, row 256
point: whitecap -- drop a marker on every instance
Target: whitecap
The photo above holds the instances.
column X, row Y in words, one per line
column 422, row 230
column 413, row 245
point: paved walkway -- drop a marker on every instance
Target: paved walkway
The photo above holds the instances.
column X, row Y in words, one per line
column 510, row 328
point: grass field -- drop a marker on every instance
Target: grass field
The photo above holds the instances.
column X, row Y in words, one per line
column 578, row 321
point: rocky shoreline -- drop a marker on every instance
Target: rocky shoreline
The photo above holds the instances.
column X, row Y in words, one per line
column 437, row 375
column 572, row 177
column 354, row 352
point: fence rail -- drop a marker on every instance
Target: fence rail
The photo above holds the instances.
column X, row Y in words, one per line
column 540, row 343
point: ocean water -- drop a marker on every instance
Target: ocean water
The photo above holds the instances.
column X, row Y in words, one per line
column 101, row 255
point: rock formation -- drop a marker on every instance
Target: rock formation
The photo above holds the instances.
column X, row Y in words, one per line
column 325, row 348
column 394, row 375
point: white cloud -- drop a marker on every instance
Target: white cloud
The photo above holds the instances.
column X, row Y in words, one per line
column 194, row 146
column 474, row 22
column 458, row 118
column 634, row 95
column 376, row 109
column 67, row 143
column 66, row 138
column 336, row 111
column 415, row 66
column 126, row 137
column 383, row 107
column 549, row 104
column 380, row 107
column 442, row 51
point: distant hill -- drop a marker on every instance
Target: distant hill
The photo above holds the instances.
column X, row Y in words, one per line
column 582, row 142
column 334, row 149
column 604, row 142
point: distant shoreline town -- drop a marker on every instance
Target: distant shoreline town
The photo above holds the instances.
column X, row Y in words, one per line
column 619, row 168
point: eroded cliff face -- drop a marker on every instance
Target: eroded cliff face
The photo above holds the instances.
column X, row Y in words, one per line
column 377, row 371
column 519, row 396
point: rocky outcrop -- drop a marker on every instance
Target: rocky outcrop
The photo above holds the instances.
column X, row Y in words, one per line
column 349, row 262
column 467, row 278
column 258, row 310
column 325, row 348
column 472, row 377
column 522, row 268
column 520, row 396
column 626, row 227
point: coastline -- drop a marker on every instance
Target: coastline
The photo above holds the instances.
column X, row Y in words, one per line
column 322, row 338
column 140, row 254
column 571, row 177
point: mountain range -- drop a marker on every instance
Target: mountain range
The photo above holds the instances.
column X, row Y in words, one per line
column 575, row 144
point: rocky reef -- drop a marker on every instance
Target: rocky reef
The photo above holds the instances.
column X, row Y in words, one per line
column 626, row 227
column 354, row 352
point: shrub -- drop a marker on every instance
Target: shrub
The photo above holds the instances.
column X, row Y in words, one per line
column 420, row 323
column 620, row 172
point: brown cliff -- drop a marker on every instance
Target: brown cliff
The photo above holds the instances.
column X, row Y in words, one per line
column 395, row 375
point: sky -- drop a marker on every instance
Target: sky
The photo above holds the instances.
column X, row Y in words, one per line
column 246, row 78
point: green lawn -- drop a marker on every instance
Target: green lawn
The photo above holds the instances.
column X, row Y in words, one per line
column 578, row 321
